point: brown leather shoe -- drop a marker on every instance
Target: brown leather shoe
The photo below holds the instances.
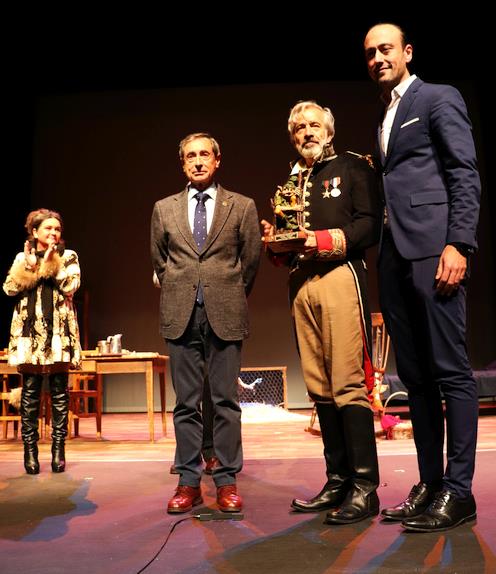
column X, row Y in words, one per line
column 173, row 469
column 211, row 464
column 184, row 499
column 228, row 498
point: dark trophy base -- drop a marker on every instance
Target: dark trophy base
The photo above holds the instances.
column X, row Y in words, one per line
column 286, row 242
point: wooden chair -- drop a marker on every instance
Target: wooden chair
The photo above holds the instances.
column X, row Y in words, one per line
column 85, row 388
column 380, row 353
column 8, row 413
column 85, row 400
column 311, row 427
column 11, row 414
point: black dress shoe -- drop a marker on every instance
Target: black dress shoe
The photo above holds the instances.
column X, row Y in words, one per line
column 446, row 511
column 330, row 496
column 358, row 505
column 421, row 495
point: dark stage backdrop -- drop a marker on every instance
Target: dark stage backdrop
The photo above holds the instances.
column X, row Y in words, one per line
column 103, row 158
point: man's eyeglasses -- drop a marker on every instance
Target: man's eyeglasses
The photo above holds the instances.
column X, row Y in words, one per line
column 200, row 158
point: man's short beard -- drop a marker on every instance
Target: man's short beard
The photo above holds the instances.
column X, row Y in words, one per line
column 313, row 152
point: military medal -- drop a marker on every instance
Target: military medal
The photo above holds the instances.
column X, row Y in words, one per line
column 326, row 194
column 335, row 191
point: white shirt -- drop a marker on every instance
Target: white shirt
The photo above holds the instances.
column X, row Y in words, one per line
column 396, row 94
column 211, row 191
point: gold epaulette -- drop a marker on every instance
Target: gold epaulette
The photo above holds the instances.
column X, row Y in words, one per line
column 367, row 157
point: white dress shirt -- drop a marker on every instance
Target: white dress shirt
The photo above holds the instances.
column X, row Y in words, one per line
column 396, row 94
column 211, row 191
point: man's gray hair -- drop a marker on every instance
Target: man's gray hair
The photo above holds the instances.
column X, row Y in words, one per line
column 301, row 107
column 197, row 136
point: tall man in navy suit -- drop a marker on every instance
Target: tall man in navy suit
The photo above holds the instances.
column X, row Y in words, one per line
column 431, row 193
column 205, row 244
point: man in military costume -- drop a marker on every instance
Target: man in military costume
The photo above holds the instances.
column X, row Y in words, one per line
column 327, row 284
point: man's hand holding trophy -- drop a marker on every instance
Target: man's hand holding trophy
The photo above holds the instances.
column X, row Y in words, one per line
column 287, row 232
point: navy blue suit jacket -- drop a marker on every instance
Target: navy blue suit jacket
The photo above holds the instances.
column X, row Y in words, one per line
column 430, row 178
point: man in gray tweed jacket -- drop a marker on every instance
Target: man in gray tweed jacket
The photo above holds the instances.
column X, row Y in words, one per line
column 205, row 245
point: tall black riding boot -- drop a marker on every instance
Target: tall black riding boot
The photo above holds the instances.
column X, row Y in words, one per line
column 362, row 500
column 337, row 469
column 60, row 412
column 30, row 409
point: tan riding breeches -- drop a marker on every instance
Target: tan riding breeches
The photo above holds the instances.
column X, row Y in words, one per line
column 328, row 323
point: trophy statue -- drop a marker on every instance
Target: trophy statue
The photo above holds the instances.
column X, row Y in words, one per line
column 288, row 207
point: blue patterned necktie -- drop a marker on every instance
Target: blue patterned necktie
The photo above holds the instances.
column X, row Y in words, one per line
column 200, row 230
column 200, row 221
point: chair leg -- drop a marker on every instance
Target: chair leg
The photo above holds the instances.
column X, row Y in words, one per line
column 69, row 424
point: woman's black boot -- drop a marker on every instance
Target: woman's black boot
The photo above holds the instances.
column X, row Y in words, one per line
column 58, row 456
column 30, row 409
column 60, row 412
column 31, row 463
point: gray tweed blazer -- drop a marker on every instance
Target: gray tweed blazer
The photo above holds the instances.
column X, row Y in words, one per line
column 226, row 266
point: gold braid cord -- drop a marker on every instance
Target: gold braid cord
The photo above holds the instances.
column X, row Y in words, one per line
column 338, row 250
column 367, row 157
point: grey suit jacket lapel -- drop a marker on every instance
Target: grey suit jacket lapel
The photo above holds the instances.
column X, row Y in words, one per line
column 223, row 206
column 181, row 216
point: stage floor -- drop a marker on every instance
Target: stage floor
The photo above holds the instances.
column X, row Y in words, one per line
column 107, row 512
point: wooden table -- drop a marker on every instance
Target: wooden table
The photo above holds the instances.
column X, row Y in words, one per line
column 99, row 365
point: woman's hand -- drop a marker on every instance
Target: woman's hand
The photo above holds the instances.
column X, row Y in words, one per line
column 52, row 248
column 29, row 256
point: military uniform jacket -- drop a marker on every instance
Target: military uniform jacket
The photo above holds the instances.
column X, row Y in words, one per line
column 342, row 194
